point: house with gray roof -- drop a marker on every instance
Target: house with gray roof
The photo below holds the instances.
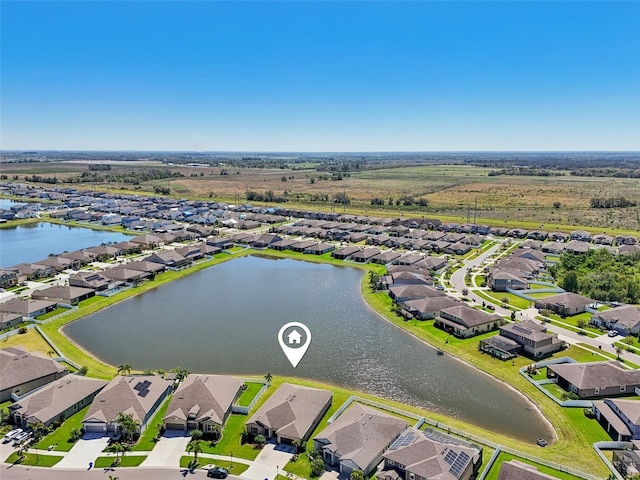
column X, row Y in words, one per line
column 625, row 319
column 28, row 308
column 170, row 259
column 22, row 371
column 620, row 418
column 344, row 253
column 135, row 395
column 515, row 470
column 202, row 402
column 464, row 321
column 564, row 304
column 430, row 454
column 56, row 401
column 429, row 307
column 533, row 337
column 357, row 439
column 291, row 413
column 90, row 279
column 9, row 320
column 68, row 295
column 595, row 379
column 403, row 293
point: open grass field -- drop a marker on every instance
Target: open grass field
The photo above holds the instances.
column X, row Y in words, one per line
column 450, row 190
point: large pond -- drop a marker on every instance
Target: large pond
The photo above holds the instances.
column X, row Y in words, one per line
column 225, row 319
column 35, row 241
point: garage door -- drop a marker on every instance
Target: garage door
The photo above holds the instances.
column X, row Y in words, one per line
column 94, row 427
column 175, row 426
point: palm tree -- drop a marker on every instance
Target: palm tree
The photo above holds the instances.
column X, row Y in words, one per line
column 268, row 377
column 124, row 369
column 374, row 278
column 128, row 424
column 194, row 446
column 117, row 448
column 356, row 475
column 181, row 373
column 39, row 429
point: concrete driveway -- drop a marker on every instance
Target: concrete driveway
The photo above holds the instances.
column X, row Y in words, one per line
column 269, row 462
column 86, row 450
column 168, row 450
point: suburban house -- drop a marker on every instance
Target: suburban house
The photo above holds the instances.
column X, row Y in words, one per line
column 595, row 379
column 8, row 277
column 202, row 402
column 357, row 439
column 577, row 246
column 403, row 293
column 464, row 321
column 411, row 278
column 515, row 470
column 502, row 280
column 620, row 418
column 564, row 304
column 64, row 294
column 533, row 338
column 429, row 307
column 94, row 280
column 365, row 255
column 169, row 258
column 291, row 413
column 9, row 320
column 135, row 395
column 57, row 401
column 344, row 253
column 27, row 308
column 126, row 275
column 625, row 319
column 22, row 371
column 429, row 454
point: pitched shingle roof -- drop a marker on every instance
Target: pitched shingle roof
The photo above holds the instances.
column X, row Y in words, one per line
column 596, row 374
column 292, row 410
column 208, row 397
column 17, row 366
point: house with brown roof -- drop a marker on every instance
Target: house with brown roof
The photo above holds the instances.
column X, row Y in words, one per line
column 363, row 256
column 31, row 271
column 357, row 439
column 90, row 279
column 147, row 241
column 8, row 277
column 430, row 454
column 68, row 295
column 58, row 400
column 625, row 319
column 501, row 280
column 564, row 304
column 127, row 275
column 344, row 253
column 595, row 379
column 169, row 258
column 515, row 470
column 202, row 402
column 464, row 321
column 22, row 371
column 403, row 293
column 533, row 337
column 620, row 418
column 291, row 413
column 135, row 395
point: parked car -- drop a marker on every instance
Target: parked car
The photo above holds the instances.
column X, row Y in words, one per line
column 21, row 438
column 217, row 472
column 612, row 333
column 542, row 442
column 11, row 435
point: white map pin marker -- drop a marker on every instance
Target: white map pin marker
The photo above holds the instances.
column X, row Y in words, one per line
column 293, row 346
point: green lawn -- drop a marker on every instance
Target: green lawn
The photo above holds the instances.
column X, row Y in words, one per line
column 91, row 301
column 53, row 313
column 247, row 395
column 505, row 457
column 125, row 461
column 235, row 469
column 512, row 300
column 146, row 442
column 60, row 436
column 230, row 441
column 554, row 390
column 36, row 460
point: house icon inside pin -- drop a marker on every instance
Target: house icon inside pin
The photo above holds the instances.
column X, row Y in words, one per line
column 294, row 337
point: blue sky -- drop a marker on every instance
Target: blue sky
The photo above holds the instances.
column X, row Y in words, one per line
column 320, row 76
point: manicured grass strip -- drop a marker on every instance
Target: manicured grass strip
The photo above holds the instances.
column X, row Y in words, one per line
column 247, row 396
column 125, row 461
column 35, row 460
column 146, row 442
column 60, row 436
column 505, row 457
column 236, row 469
column 185, row 461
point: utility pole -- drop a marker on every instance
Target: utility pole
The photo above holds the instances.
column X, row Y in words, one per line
column 475, row 211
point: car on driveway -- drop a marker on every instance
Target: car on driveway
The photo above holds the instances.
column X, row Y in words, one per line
column 612, row 333
column 11, row 435
column 217, row 472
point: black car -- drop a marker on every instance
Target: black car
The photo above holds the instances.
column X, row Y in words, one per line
column 542, row 442
column 217, row 472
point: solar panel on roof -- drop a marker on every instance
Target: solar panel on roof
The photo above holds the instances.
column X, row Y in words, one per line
column 450, row 457
column 459, row 464
column 143, row 393
column 403, row 440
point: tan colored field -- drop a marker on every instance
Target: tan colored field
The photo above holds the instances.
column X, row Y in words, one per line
column 450, row 190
